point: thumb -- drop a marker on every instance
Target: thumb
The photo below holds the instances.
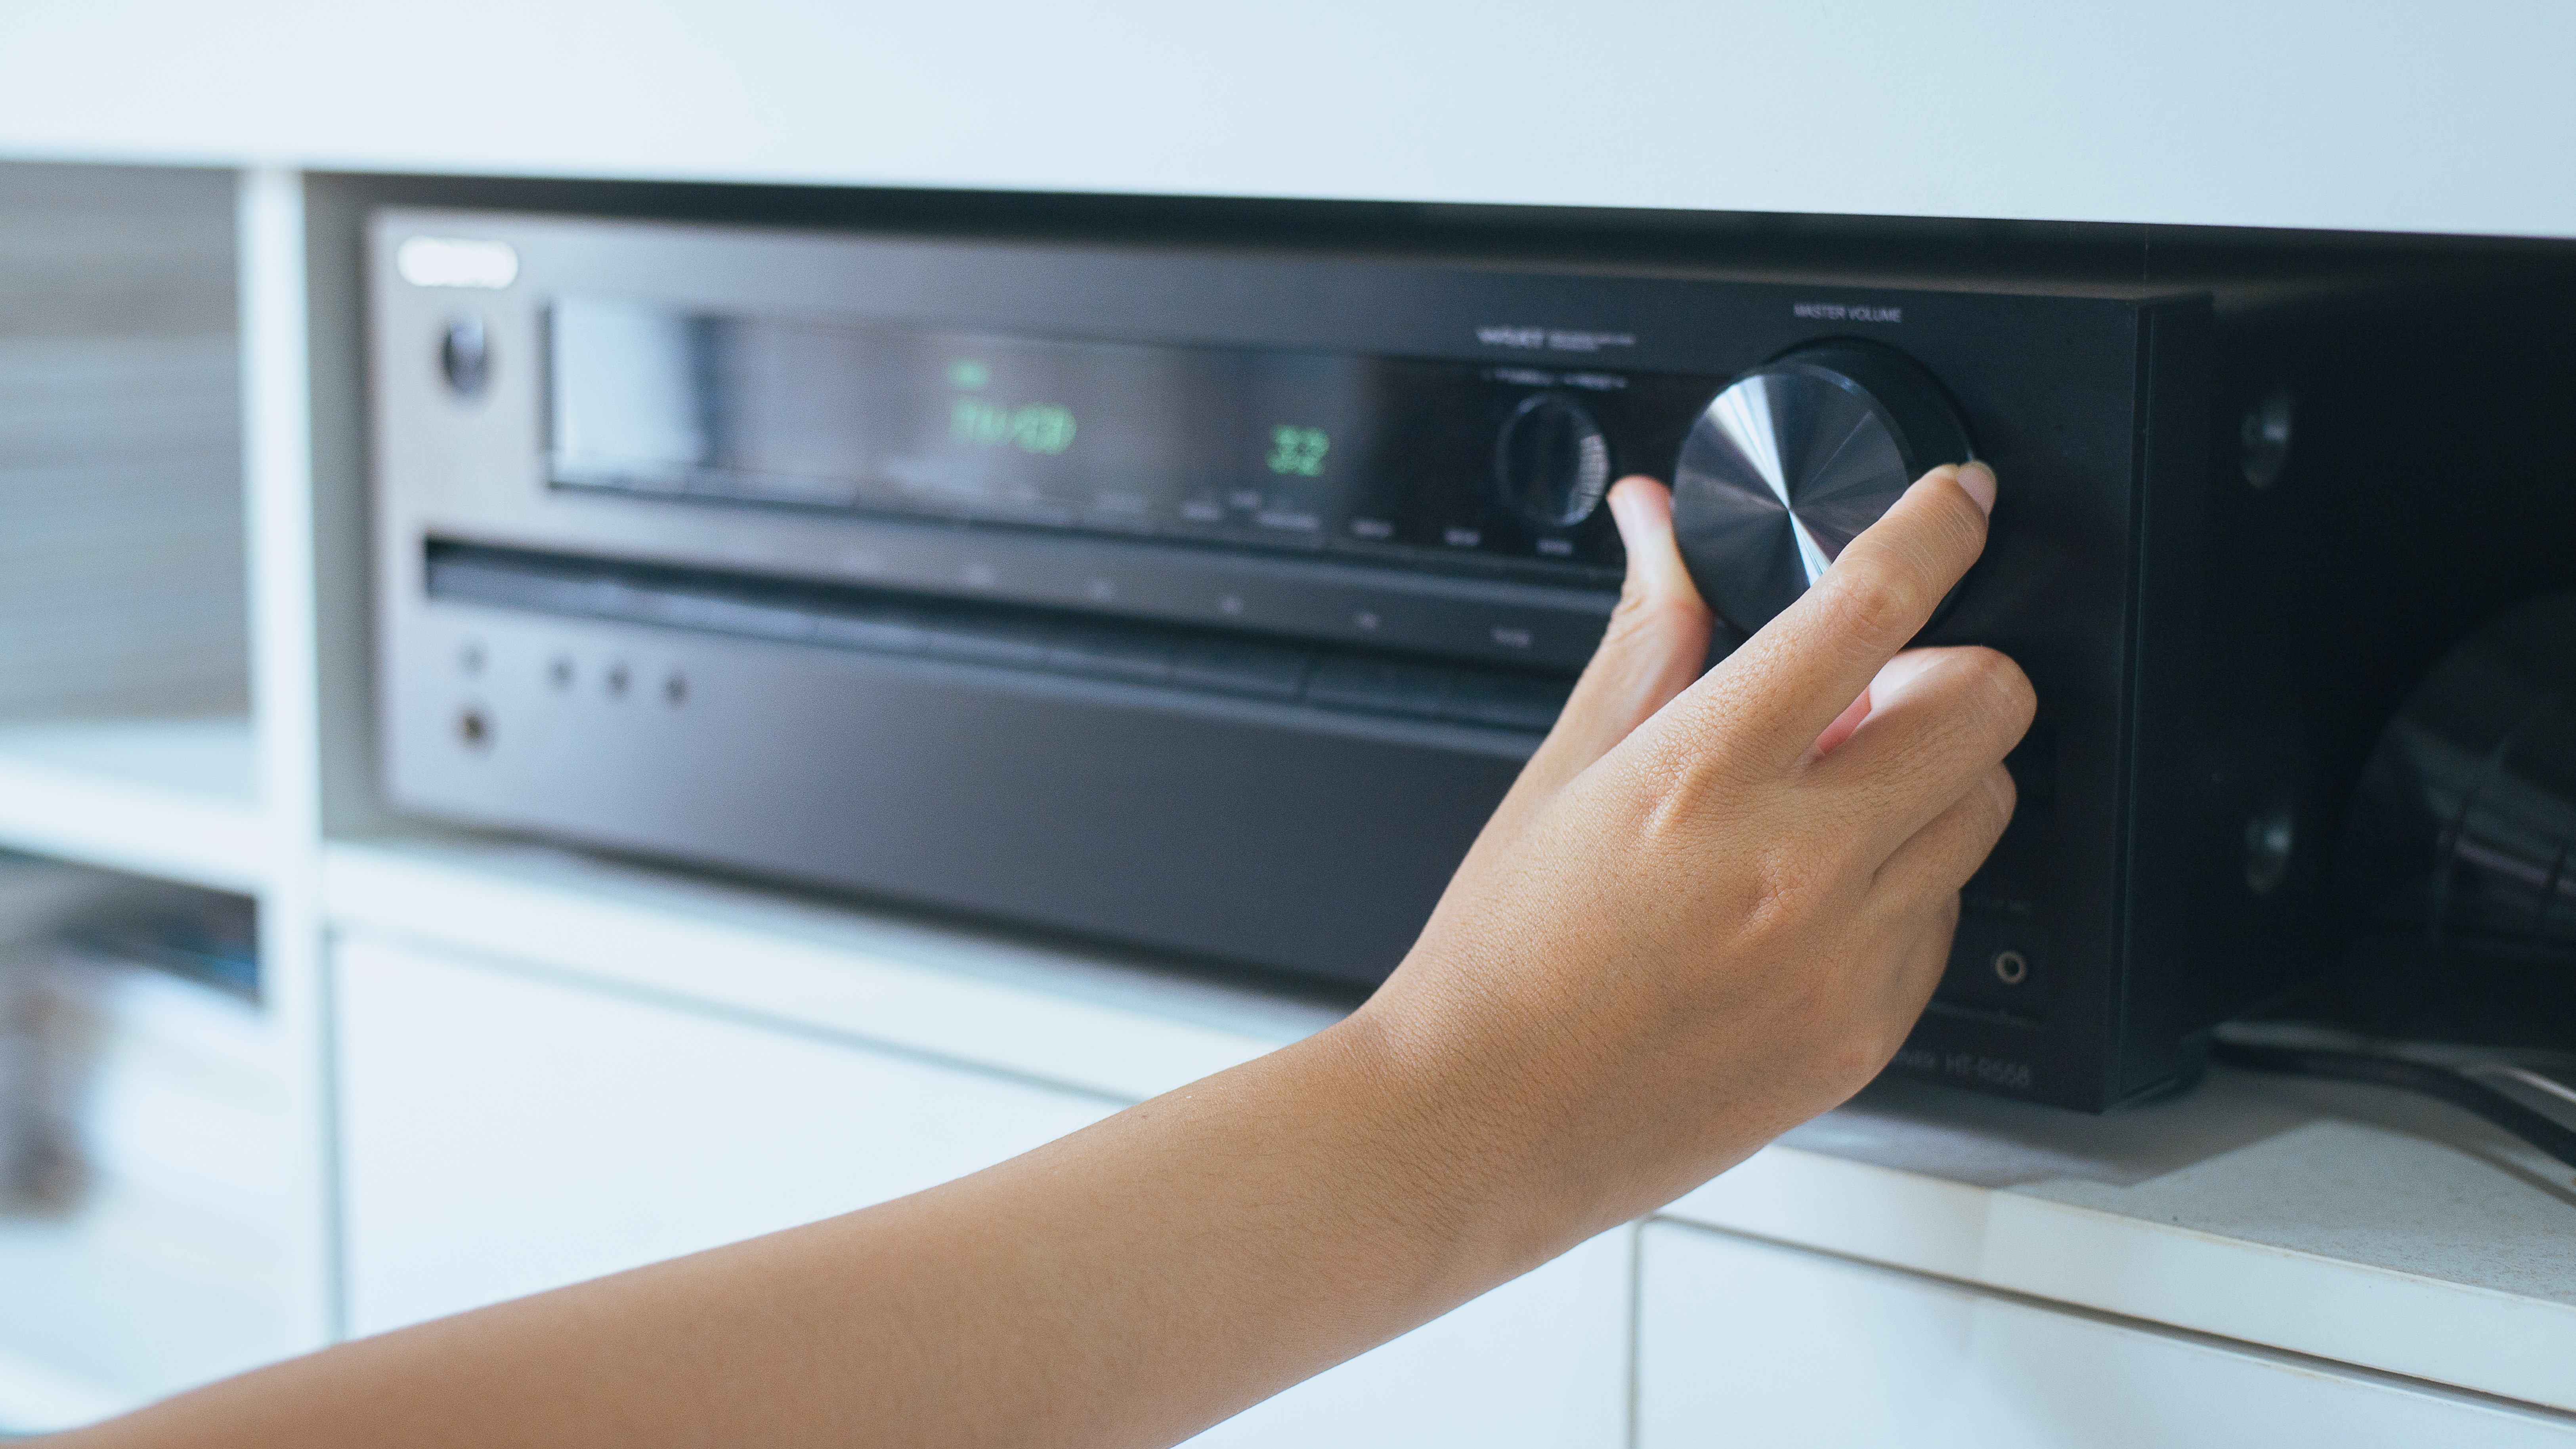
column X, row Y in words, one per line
column 1657, row 643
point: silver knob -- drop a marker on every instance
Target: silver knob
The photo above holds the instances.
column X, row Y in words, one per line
column 1793, row 460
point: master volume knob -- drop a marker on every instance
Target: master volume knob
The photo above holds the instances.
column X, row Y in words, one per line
column 1793, row 460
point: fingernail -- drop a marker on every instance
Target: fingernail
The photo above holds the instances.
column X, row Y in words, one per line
column 1625, row 510
column 1978, row 482
column 1621, row 506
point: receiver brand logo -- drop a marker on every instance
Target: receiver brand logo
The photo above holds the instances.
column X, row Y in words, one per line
column 449, row 261
column 1554, row 339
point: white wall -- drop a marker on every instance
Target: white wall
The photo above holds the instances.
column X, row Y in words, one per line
column 2288, row 113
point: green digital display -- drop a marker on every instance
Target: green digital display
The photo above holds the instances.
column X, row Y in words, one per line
column 1267, row 446
column 1045, row 428
column 1298, row 452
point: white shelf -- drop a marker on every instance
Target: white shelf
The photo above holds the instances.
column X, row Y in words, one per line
column 2246, row 113
column 173, row 798
column 2351, row 1223
column 1072, row 1019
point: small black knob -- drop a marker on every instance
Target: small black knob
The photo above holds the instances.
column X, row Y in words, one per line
column 465, row 356
column 1553, row 461
column 1793, row 460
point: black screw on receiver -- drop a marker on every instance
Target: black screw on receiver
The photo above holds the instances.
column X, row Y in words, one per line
column 2263, row 437
column 1793, row 459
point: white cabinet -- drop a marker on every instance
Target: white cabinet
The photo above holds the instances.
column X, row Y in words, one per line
column 504, row 1132
column 1743, row 1343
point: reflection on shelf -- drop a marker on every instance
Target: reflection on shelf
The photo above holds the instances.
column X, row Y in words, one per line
column 176, row 798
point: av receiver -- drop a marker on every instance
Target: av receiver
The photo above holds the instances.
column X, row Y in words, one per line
column 1208, row 598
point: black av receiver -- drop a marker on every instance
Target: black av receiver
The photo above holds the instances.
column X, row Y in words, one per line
column 1209, row 599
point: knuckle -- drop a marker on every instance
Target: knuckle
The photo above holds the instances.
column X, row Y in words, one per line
column 1649, row 610
column 1646, row 612
column 1785, row 885
column 1877, row 603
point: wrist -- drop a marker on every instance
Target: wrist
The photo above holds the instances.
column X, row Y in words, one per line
column 1467, row 1136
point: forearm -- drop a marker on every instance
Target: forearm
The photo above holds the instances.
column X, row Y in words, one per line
column 1187, row 1258
column 1129, row 1284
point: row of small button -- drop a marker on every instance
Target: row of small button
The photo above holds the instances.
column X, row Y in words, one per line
column 1264, row 523
column 1210, row 663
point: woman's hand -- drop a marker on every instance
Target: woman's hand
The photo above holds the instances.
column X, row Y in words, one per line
column 1708, row 910
column 1711, row 908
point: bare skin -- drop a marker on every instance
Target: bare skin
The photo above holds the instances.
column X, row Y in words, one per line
column 1710, row 909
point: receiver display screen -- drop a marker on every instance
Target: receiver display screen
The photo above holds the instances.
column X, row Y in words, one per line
column 1286, row 449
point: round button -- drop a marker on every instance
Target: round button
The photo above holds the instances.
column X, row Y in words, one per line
column 1793, row 460
column 465, row 356
column 2012, row 968
column 1553, row 461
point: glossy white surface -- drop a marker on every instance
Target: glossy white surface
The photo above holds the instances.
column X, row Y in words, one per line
column 2283, row 113
column 2350, row 1223
column 1745, row 1343
column 500, row 1134
column 505, row 1133
column 1086, row 1022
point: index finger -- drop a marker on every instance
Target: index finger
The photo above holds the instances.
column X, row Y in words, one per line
column 1804, row 668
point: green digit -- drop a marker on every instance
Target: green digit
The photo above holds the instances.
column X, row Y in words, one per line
column 1316, row 445
column 971, row 420
column 1043, row 428
column 1297, row 451
column 1032, row 428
